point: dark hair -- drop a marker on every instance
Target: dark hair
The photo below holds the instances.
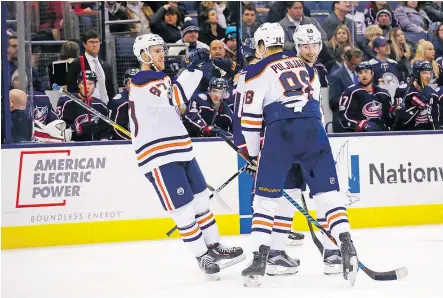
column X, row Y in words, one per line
column 70, row 49
column 249, row 7
column 290, row 3
column 89, row 34
column 333, row 4
column 436, row 32
column 204, row 15
column 340, row 51
column 12, row 37
column 353, row 53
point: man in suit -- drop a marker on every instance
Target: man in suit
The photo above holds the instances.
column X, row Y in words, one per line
column 340, row 80
column 105, row 86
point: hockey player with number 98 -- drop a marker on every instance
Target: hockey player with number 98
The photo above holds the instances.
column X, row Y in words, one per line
column 279, row 96
column 164, row 150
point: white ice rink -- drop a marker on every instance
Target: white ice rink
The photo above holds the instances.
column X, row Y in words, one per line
column 166, row 268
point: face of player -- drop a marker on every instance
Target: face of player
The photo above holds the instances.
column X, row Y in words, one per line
column 429, row 51
column 216, row 95
column 89, row 84
column 342, row 36
column 425, row 77
column 158, row 56
column 309, row 52
column 400, row 37
column 128, row 86
column 365, row 77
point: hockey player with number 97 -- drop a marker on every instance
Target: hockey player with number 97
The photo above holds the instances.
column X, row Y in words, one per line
column 164, row 150
column 278, row 90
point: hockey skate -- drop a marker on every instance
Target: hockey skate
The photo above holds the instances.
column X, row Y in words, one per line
column 256, row 268
column 349, row 258
column 332, row 260
column 209, row 266
column 279, row 263
column 295, row 239
column 226, row 256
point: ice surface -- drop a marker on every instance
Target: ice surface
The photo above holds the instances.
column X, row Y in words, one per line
column 167, row 269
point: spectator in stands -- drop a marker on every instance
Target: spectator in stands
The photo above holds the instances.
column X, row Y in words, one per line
column 12, row 54
column 180, row 7
column 339, row 57
column 438, row 42
column 262, row 10
column 358, row 17
column 294, row 18
column 342, row 37
column 402, row 51
column 166, row 23
column 217, row 49
column 411, row 18
column 434, row 10
column 250, row 23
column 425, row 51
column 138, row 10
column 371, row 33
column 51, row 15
column 384, row 21
column 69, row 51
column 21, row 118
column 340, row 80
column 385, row 70
column 190, row 32
column 278, row 10
column 222, row 10
column 230, row 43
column 338, row 16
column 117, row 12
column 373, row 8
column 105, row 85
column 210, row 29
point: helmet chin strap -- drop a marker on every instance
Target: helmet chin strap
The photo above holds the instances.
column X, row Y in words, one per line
column 151, row 60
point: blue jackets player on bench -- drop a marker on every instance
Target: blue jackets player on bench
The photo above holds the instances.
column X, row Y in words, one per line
column 278, row 96
column 165, row 154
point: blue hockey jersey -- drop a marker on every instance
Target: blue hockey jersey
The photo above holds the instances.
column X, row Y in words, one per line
column 118, row 108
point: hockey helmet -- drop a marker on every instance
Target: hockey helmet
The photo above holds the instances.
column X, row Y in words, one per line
column 248, row 48
column 142, row 44
column 419, row 66
column 271, row 34
column 129, row 74
column 90, row 76
column 218, row 83
column 307, row 34
column 362, row 66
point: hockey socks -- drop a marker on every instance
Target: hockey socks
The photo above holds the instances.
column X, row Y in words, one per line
column 205, row 218
column 283, row 221
column 263, row 220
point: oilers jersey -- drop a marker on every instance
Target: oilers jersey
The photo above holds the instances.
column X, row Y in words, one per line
column 118, row 108
column 201, row 112
column 158, row 134
column 276, row 88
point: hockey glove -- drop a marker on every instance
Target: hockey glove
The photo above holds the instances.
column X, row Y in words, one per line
column 420, row 103
column 197, row 58
column 228, row 66
column 370, row 126
column 252, row 169
column 213, row 131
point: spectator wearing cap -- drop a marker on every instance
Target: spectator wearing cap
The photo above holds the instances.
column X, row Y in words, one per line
column 230, row 43
column 385, row 70
column 371, row 33
column 250, row 23
column 210, row 29
column 384, row 21
column 294, row 18
column 190, row 33
column 434, row 10
column 373, row 8
column 166, row 23
column 412, row 18
column 338, row 16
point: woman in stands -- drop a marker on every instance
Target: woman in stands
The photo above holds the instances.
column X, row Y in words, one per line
column 438, row 42
column 371, row 33
column 425, row 51
column 372, row 10
column 166, row 22
column 402, row 51
column 342, row 37
column 69, row 51
column 210, row 29
column 411, row 17
column 221, row 7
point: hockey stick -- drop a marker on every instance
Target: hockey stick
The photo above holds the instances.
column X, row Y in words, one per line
column 214, row 192
column 381, row 276
column 311, row 229
column 92, row 110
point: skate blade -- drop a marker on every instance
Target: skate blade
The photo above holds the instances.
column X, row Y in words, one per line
column 275, row 270
column 295, row 242
column 252, row 281
column 213, row 277
column 331, row 269
column 223, row 264
column 352, row 274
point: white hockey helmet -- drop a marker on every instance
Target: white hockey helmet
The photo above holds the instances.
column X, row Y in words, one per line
column 271, row 34
column 144, row 42
column 307, row 34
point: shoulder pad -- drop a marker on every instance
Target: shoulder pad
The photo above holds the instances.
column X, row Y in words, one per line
column 203, row 96
column 373, row 61
column 118, row 96
column 145, row 77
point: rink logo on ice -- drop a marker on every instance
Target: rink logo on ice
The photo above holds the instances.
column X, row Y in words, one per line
column 46, row 178
column 348, row 172
column 404, row 173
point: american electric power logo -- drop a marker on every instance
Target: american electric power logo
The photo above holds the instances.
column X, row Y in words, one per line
column 46, row 178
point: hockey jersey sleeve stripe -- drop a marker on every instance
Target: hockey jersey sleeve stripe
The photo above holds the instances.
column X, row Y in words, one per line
column 161, row 140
